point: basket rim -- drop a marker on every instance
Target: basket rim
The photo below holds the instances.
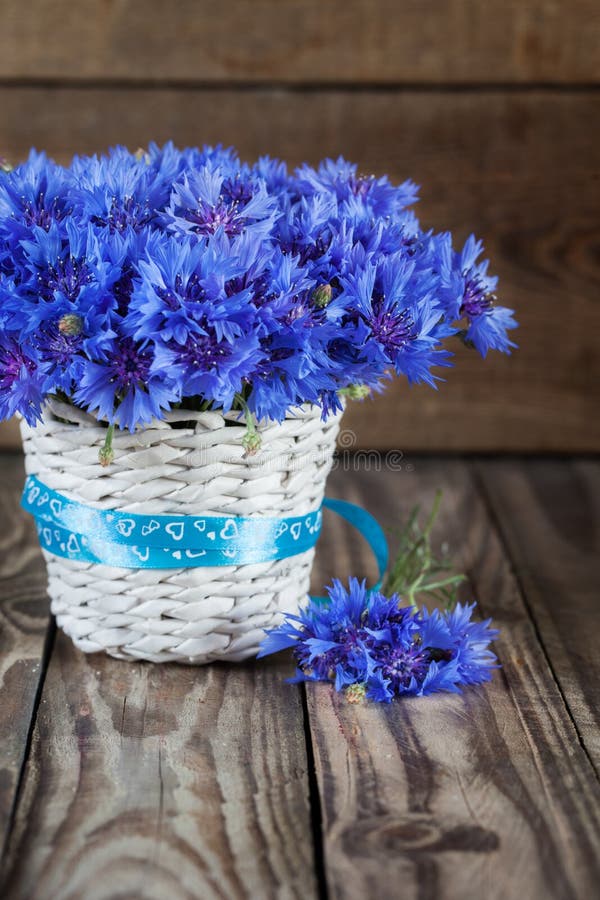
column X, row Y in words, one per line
column 68, row 416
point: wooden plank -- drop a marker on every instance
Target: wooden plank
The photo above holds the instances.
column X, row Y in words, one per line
column 9, row 435
column 162, row 781
column 457, row 41
column 548, row 514
column 520, row 169
column 24, row 625
column 488, row 794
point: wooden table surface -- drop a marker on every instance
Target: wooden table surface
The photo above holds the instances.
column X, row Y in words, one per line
column 138, row 780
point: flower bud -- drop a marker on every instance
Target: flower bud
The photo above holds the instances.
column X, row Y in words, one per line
column 356, row 693
column 251, row 442
column 106, row 453
column 321, row 296
column 356, row 391
column 142, row 155
column 70, row 324
column 5, row 166
column 105, row 456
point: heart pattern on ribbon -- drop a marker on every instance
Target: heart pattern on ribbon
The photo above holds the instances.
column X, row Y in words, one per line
column 125, row 527
column 150, row 527
column 175, row 530
column 229, row 530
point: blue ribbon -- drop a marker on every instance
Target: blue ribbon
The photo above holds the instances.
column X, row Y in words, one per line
column 71, row 530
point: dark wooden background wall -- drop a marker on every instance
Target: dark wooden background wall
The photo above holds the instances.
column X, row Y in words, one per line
column 494, row 107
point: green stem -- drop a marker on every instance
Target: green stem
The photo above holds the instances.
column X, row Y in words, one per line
column 432, row 515
column 446, row 582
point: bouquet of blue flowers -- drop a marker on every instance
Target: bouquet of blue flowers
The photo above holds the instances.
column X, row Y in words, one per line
column 136, row 283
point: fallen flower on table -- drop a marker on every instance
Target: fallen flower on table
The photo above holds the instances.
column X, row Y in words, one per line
column 371, row 646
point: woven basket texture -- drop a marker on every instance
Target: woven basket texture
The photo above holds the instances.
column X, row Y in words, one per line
column 191, row 463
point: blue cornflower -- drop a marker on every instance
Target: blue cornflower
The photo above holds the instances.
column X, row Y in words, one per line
column 360, row 637
column 35, row 194
column 467, row 293
column 117, row 192
column 208, row 364
column 65, row 289
column 121, row 386
column 376, row 195
column 404, row 327
column 206, row 200
column 305, row 229
column 21, row 388
column 183, row 286
column 63, row 264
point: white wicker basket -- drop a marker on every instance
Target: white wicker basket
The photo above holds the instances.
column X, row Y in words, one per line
column 189, row 615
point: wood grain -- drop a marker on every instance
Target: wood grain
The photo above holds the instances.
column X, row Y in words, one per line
column 24, row 623
column 456, row 41
column 488, row 794
column 163, row 781
column 521, row 170
column 548, row 513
